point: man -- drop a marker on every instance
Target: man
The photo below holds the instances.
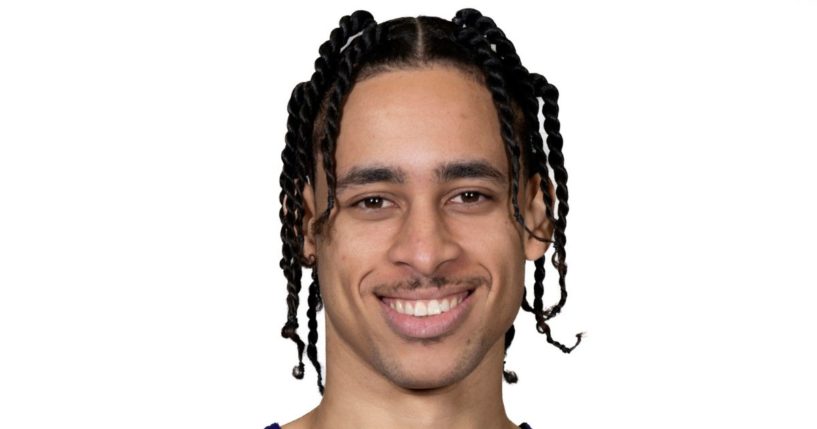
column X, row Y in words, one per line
column 416, row 186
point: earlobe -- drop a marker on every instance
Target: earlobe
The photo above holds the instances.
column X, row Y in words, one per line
column 536, row 218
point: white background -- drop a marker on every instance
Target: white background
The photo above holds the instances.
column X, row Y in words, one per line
column 139, row 157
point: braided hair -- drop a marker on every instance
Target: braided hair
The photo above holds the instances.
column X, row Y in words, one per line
column 359, row 48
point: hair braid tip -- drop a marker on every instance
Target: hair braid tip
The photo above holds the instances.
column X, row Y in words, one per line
column 298, row 371
column 510, row 376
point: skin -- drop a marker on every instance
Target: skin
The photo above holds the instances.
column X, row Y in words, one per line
column 384, row 232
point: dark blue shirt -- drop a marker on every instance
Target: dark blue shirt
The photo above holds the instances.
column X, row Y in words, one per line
column 275, row 426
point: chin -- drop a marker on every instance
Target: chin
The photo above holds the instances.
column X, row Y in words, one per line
column 430, row 371
column 426, row 380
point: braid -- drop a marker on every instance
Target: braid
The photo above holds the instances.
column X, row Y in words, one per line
column 369, row 37
column 495, row 81
column 524, row 92
column 297, row 160
column 291, row 207
column 526, row 87
column 538, row 284
column 510, row 376
column 550, row 111
column 314, row 306
column 325, row 68
column 525, row 304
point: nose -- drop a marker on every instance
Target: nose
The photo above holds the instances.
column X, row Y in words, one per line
column 424, row 243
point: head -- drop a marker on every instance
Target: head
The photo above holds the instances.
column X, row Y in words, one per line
column 414, row 168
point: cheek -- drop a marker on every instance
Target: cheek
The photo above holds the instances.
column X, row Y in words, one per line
column 346, row 256
column 496, row 237
column 343, row 262
column 498, row 248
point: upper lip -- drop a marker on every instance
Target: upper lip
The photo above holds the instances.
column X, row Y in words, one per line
column 426, row 294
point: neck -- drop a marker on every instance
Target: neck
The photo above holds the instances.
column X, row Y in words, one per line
column 357, row 396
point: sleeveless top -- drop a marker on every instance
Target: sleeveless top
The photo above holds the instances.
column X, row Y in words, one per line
column 275, row 426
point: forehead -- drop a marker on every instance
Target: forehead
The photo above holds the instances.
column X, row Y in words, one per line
column 418, row 119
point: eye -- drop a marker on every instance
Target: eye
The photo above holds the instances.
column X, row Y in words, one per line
column 470, row 197
column 372, row 203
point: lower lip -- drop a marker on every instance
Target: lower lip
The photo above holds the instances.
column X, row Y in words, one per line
column 426, row 327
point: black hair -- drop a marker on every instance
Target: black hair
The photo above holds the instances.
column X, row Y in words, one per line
column 359, row 48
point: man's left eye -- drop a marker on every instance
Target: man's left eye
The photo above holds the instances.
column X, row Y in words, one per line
column 373, row 203
column 469, row 197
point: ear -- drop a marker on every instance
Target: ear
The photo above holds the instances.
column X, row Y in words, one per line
column 536, row 218
column 308, row 227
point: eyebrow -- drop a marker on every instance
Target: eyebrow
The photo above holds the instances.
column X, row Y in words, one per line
column 450, row 171
column 469, row 170
column 358, row 176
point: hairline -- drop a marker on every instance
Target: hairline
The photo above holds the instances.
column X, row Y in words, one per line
column 367, row 72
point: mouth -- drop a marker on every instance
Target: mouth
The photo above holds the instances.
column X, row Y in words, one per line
column 422, row 319
column 426, row 307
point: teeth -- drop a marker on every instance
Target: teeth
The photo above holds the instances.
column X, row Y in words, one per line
column 433, row 307
column 422, row 308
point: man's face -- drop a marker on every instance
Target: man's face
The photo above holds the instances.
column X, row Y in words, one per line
column 421, row 265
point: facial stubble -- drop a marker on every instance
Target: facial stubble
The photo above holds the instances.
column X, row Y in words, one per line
column 392, row 368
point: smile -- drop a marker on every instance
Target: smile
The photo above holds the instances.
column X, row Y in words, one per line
column 424, row 319
column 423, row 308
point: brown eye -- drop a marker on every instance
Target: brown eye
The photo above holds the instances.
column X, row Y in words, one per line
column 469, row 197
column 372, row 203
